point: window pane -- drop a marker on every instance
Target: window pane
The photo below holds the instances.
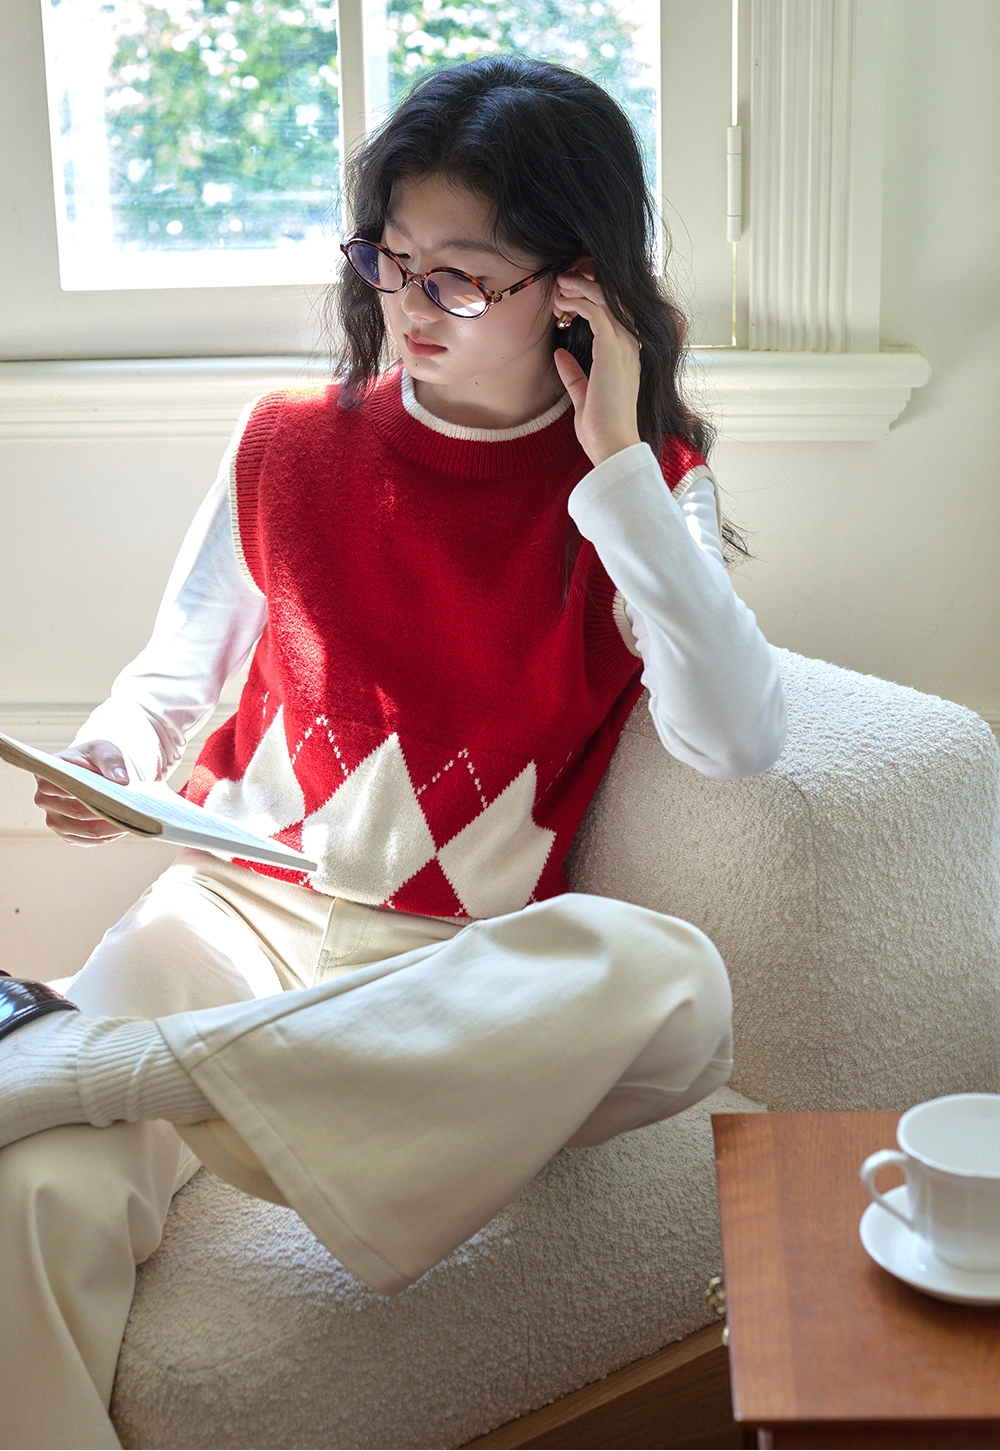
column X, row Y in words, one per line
column 614, row 42
column 196, row 142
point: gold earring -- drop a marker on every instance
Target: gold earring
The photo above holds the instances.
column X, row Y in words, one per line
column 564, row 319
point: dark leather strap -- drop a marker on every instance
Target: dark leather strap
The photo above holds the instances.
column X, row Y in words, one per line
column 21, row 1000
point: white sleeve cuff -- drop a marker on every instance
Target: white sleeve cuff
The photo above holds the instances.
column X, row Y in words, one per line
column 128, row 727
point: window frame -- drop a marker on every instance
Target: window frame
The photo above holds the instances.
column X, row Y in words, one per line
column 805, row 364
column 38, row 319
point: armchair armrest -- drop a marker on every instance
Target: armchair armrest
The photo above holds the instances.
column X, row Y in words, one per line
column 853, row 889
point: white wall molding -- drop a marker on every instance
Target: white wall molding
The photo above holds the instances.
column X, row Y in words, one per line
column 805, row 397
column 817, row 123
column 50, row 727
column 153, row 398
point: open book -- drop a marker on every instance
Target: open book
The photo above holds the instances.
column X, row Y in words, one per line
column 152, row 809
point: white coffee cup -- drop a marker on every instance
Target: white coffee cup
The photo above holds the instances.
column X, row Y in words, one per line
column 951, row 1158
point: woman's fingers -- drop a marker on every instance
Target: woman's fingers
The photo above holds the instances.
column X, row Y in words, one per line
column 574, row 379
column 83, row 834
column 595, row 312
column 608, row 332
column 70, row 812
column 104, row 757
column 64, row 814
column 575, row 286
column 583, row 295
column 603, row 325
column 67, row 816
column 605, row 402
column 59, row 803
column 79, row 825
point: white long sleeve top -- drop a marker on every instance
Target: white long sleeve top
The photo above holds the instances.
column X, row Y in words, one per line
column 716, row 697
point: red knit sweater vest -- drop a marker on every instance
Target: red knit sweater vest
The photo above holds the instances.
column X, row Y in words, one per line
column 441, row 683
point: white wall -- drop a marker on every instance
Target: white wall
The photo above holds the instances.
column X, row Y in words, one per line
column 882, row 557
column 89, row 534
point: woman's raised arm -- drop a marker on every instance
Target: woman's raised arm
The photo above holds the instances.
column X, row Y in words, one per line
column 716, row 697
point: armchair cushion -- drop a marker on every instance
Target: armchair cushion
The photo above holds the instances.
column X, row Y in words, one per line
column 244, row 1331
column 853, row 890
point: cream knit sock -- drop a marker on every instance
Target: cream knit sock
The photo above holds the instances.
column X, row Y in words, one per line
column 64, row 1068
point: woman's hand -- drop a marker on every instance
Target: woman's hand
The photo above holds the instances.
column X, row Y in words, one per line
column 68, row 817
column 605, row 403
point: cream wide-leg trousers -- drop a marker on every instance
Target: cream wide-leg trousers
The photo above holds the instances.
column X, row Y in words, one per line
column 400, row 1078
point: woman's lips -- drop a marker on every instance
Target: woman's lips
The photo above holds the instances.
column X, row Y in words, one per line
column 416, row 346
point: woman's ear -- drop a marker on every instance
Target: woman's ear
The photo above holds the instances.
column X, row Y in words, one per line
column 583, row 267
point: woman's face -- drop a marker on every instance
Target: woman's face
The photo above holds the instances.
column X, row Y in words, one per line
column 434, row 222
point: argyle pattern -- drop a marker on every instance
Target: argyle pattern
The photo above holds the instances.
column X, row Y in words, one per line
column 371, row 836
column 441, row 681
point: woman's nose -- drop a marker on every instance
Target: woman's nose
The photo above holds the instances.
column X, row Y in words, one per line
column 417, row 305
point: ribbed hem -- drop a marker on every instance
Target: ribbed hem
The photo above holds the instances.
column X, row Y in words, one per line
column 125, row 1071
column 491, row 454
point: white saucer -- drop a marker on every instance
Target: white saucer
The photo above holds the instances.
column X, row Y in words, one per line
column 910, row 1258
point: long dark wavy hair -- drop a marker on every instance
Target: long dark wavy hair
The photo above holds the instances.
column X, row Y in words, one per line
column 560, row 164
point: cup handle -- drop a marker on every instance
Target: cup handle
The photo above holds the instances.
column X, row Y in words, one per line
column 870, row 1168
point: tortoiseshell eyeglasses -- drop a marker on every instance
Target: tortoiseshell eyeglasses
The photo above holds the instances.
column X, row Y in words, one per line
column 452, row 291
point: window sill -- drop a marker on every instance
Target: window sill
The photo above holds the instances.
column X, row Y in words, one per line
column 804, row 397
column 752, row 396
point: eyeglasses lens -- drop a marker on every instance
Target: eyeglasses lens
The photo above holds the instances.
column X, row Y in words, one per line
column 456, row 294
column 375, row 267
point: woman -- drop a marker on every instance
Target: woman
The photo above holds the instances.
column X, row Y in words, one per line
column 455, row 574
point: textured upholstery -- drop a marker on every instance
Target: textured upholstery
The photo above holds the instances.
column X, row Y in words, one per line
column 244, row 1332
column 853, row 891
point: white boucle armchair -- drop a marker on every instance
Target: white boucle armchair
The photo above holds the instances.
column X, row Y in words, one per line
column 854, row 893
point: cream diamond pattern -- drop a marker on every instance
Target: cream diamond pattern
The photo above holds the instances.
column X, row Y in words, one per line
column 494, row 862
column 269, row 797
column 371, row 835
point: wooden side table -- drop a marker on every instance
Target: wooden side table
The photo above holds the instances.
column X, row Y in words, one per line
column 826, row 1348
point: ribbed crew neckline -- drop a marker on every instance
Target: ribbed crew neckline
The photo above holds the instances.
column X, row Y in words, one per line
column 475, row 435
column 453, row 448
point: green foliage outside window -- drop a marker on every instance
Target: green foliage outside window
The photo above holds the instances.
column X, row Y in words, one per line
column 223, row 114
column 587, row 35
column 223, row 121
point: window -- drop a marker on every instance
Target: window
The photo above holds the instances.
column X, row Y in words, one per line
column 198, row 142
column 190, row 201
column 194, row 144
